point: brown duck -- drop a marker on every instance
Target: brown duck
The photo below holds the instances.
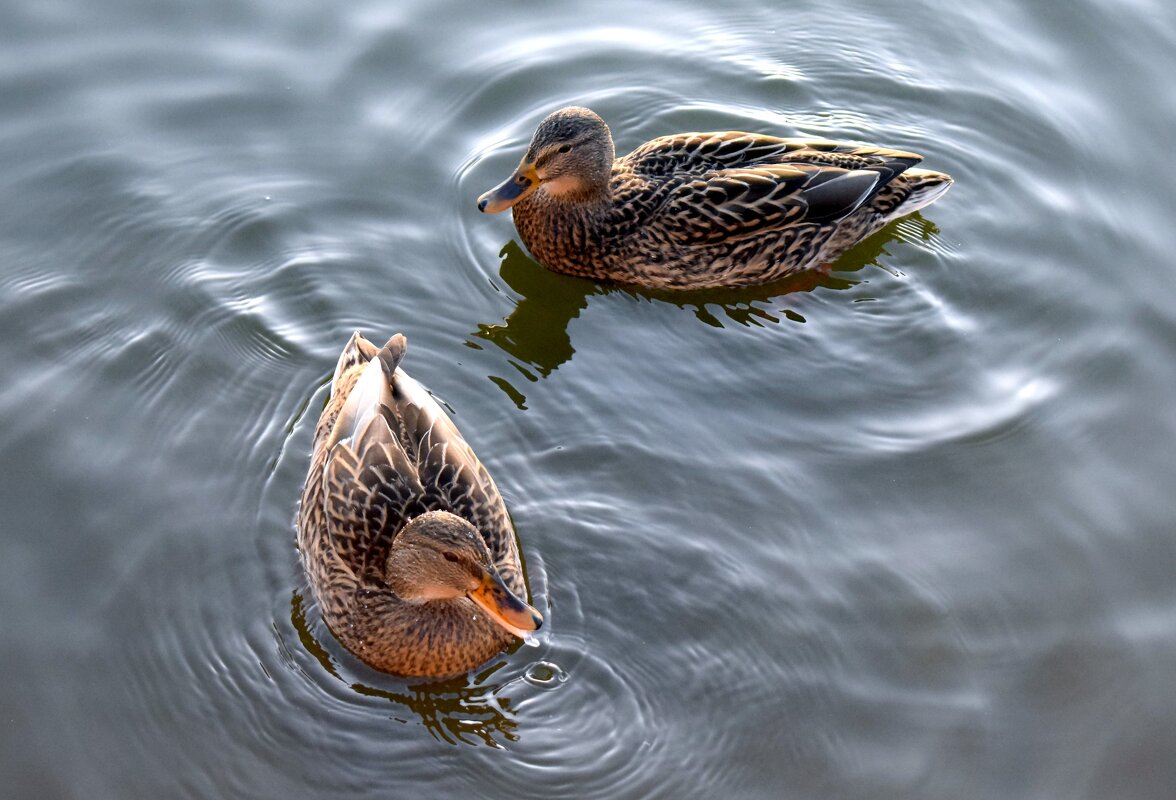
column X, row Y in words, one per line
column 698, row 210
column 403, row 534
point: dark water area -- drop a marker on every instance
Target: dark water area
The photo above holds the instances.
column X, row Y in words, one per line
column 902, row 530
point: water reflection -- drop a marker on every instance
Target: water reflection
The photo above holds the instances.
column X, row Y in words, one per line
column 471, row 710
column 460, row 710
column 535, row 335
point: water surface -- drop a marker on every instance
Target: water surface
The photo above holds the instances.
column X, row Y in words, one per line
column 902, row 530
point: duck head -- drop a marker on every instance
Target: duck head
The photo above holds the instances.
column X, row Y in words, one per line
column 440, row 556
column 570, row 157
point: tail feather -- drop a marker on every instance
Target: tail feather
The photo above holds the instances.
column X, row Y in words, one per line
column 358, row 350
column 368, row 395
column 924, row 187
column 391, row 354
column 372, row 390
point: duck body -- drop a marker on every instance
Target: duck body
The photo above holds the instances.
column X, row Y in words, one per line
column 701, row 210
column 404, row 537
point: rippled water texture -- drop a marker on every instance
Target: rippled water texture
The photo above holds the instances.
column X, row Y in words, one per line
column 903, row 530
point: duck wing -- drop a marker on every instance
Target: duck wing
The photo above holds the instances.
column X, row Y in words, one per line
column 451, row 476
column 370, row 483
column 694, row 153
column 395, row 454
column 734, row 203
column 716, row 186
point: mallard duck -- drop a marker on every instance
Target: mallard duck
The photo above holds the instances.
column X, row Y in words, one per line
column 697, row 210
column 403, row 534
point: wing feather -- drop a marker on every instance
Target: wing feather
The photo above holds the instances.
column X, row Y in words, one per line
column 369, row 491
column 391, row 454
column 717, row 186
column 451, row 475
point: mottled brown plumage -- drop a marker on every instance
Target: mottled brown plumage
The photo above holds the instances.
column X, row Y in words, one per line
column 405, row 539
column 698, row 210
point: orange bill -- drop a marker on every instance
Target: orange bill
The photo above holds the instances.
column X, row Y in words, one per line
column 501, row 604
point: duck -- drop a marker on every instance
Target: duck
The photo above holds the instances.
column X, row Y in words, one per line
column 404, row 537
column 701, row 210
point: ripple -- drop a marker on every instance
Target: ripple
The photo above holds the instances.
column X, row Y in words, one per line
column 545, row 675
column 843, row 537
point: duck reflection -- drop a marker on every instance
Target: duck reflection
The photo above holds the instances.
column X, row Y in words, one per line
column 535, row 338
column 470, row 710
column 536, row 332
column 460, row 710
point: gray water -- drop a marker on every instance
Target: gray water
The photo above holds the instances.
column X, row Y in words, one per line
column 904, row 530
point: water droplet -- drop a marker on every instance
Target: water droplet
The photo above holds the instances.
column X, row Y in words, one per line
column 545, row 675
column 530, row 639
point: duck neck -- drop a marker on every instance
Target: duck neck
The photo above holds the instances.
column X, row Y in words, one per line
column 560, row 229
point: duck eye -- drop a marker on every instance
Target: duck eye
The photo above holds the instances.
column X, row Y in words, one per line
column 566, row 148
column 450, row 556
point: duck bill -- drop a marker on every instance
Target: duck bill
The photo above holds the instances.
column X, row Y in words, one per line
column 524, row 181
column 502, row 606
